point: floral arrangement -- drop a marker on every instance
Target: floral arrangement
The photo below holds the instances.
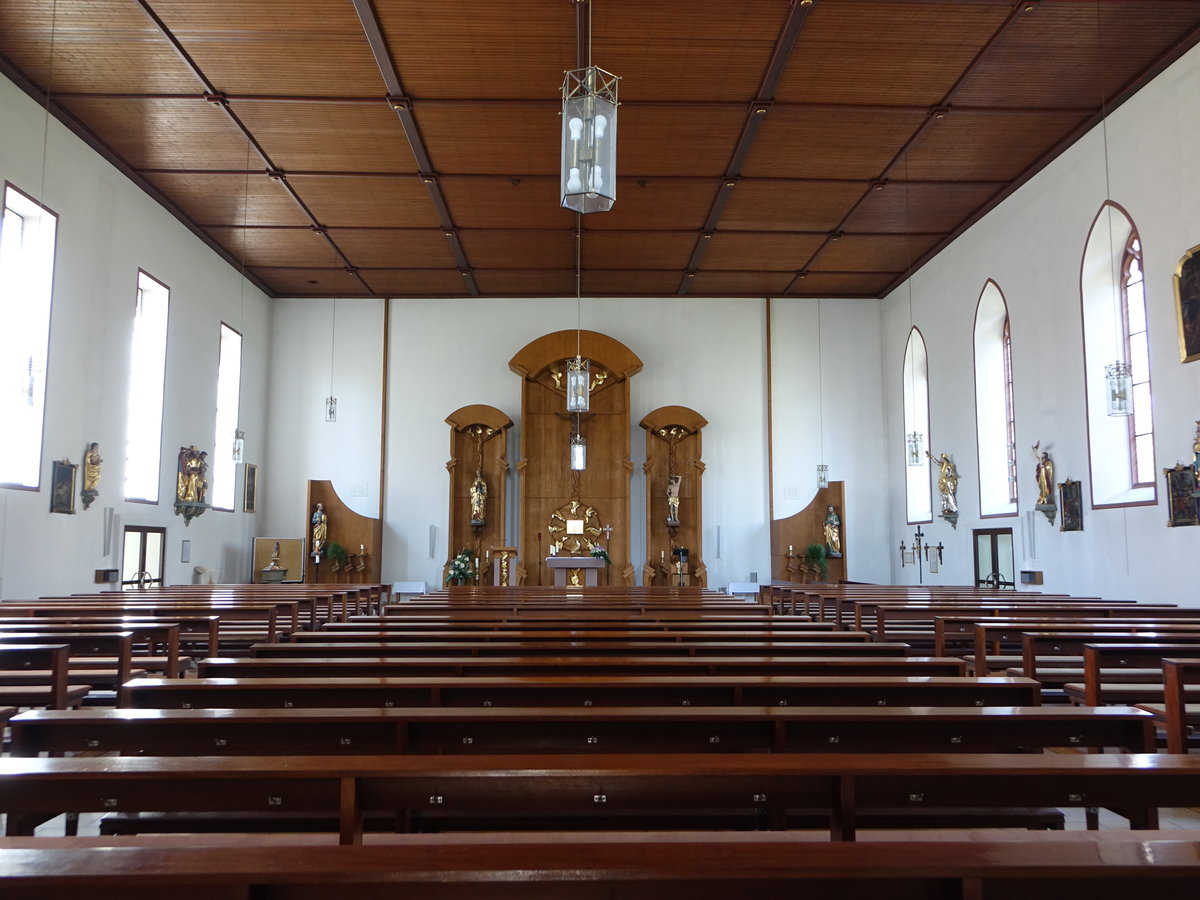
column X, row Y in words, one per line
column 461, row 568
column 599, row 552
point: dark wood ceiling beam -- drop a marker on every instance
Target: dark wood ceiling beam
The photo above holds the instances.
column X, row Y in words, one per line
column 755, row 114
column 91, row 139
column 402, row 106
column 936, row 114
column 215, row 97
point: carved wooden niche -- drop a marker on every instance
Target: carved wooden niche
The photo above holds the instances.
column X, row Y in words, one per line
column 478, row 468
column 674, row 511
column 599, row 495
column 361, row 537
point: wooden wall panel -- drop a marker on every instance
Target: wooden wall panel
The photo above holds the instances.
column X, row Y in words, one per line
column 804, row 528
column 478, row 442
column 673, row 447
column 547, row 482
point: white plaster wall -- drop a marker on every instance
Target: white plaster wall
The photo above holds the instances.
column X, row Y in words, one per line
column 1032, row 246
column 107, row 229
column 705, row 354
column 308, row 344
column 830, row 395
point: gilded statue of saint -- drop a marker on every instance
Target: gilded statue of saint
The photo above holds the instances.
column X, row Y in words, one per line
column 192, row 485
column 1045, row 476
column 947, row 482
column 91, row 474
column 320, row 528
column 479, row 492
column 832, row 527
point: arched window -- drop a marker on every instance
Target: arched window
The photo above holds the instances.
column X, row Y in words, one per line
column 995, row 425
column 1120, row 448
column 919, row 499
column 1137, row 354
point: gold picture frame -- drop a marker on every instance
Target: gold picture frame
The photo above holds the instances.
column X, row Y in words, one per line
column 250, row 489
column 1187, row 304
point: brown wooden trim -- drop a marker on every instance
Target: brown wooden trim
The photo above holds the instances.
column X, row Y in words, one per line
column 383, row 408
column 770, row 416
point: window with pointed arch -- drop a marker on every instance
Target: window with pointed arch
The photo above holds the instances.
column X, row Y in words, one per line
column 1113, row 303
column 918, row 494
column 1137, row 354
column 995, row 417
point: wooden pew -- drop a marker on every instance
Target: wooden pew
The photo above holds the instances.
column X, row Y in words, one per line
column 262, row 619
column 634, row 866
column 986, row 635
column 508, row 691
column 557, row 729
column 115, row 647
column 886, row 614
column 1179, row 716
column 825, row 644
column 1116, row 662
column 1070, row 644
column 33, row 790
column 196, row 632
column 152, row 633
column 601, row 659
column 52, row 689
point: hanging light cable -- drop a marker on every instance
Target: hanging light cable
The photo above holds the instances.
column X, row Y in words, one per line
column 1118, row 375
column 822, row 468
column 914, row 439
column 578, row 369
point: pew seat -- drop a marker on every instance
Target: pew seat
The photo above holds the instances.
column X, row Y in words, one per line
column 633, row 866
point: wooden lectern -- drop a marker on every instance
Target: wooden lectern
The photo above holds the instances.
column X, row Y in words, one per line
column 504, row 566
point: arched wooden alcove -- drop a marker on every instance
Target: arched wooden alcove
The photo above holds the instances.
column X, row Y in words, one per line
column 548, row 487
column 478, row 443
column 673, row 447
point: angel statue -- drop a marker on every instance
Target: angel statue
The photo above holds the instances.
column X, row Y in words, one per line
column 947, row 482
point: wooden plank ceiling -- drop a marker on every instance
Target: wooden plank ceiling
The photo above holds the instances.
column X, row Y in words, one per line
column 409, row 148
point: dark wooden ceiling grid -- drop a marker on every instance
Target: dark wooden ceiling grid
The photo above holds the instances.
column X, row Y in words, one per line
column 410, row 148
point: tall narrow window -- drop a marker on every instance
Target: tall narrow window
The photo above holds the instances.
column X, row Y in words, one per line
column 223, row 479
column 919, row 499
column 995, row 428
column 147, row 371
column 1120, row 448
column 1137, row 354
column 27, row 234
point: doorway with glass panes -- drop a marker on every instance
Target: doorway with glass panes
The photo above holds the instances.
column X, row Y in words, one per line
column 142, row 557
column 994, row 558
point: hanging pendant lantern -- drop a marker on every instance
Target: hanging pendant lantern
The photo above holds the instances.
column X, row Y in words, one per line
column 239, row 445
column 578, row 453
column 579, row 385
column 915, row 440
column 822, row 476
column 1119, row 376
column 588, row 179
column 331, row 409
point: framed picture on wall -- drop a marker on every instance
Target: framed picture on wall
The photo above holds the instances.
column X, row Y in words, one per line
column 250, row 493
column 62, row 487
column 1070, row 494
column 1187, row 304
column 1181, row 499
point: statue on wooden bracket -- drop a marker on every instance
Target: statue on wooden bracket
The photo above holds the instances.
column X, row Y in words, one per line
column 320, row 531
column 1045, row 482
column 91, row 474
column 832, row 528
column 947, row 486
column 479, row 492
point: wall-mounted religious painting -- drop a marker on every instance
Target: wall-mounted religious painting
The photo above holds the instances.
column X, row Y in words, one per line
column 1181, row 496
column 62, row 487
column 1187, row 304
column 250, row 492
column 1070, row 494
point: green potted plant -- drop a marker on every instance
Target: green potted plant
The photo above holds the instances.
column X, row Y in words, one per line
column 816, row 557
column 336, row 552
